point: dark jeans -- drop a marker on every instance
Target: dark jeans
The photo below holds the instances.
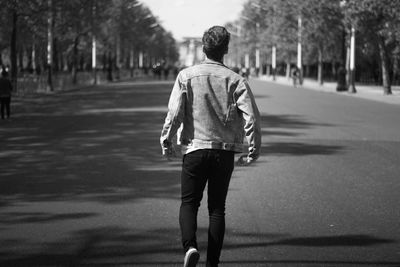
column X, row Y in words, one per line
column 5, row 104
column 214, row 166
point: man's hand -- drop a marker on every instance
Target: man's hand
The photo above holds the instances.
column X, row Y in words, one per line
column 168, row 150
column 245, row 160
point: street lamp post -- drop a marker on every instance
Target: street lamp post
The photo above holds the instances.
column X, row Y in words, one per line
column 350, row 60
column 257, row 50
column 247, row 61
column 274, row 62
column 299, row 55
column 273, row 56
column 352, row 88
column 257, row 61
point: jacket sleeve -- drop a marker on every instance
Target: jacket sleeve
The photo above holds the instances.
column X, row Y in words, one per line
column 247, row 105
column 176, row 111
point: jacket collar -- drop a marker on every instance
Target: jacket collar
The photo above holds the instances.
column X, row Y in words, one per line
column 210, row 61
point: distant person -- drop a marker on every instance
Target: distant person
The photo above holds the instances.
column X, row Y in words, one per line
column 157, row 70
column 167, row 69
column 341, row 78
column 236, row 69
column 295, row 76
column 176, row 71
column 245, row 72
column 5, row 94
column 212, row 108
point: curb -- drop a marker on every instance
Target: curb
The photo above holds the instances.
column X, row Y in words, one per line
column 370, row 92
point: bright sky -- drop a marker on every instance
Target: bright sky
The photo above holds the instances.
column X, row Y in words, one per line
column 190, row 18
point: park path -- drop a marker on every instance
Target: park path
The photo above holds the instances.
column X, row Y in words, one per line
column 83, row 183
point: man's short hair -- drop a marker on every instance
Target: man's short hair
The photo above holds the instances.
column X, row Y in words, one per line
column 216, row 42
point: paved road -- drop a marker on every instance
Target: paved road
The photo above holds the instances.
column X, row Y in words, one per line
column 82, row 183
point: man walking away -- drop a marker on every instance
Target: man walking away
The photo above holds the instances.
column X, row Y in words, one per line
column 5, row 94
column 211, row 109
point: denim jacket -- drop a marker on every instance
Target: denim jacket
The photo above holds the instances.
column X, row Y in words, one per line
column 212, row 107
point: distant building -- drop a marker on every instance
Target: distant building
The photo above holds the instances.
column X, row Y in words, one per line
column 190, row 51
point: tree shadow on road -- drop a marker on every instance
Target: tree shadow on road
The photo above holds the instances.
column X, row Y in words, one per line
column 118, row 246
column 289, row 121
column 102, row 143
column 313, row 242
column 320, row 241
column 301, row 149
column 12, row 218
column 286, row 130
column 93, row 144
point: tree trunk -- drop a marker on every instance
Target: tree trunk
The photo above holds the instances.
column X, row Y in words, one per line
column 50, row 26
column 75, row 61
column 94, row 42
column 384, row 66
column 56, row 58
column 104, row 62
column 307, row 71
column 320, row 66
column 33, row 58
column 28, row 52
column 94, row 59
column 117, row 57
column 20, row 56
column 14, row 68
column 131, row 61
column 109, row 67
column 65, row 62
column 395, row 77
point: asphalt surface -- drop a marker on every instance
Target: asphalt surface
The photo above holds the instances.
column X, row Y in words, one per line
column 82, row 182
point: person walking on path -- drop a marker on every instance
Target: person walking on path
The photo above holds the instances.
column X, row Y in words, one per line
column 5, row 94
column 295, row 76
column 211, row 109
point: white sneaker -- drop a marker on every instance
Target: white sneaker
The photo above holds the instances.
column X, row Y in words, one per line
column 191, row 258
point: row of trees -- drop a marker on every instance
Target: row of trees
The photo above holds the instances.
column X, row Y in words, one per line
column 56, row 35
column 324, row 35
